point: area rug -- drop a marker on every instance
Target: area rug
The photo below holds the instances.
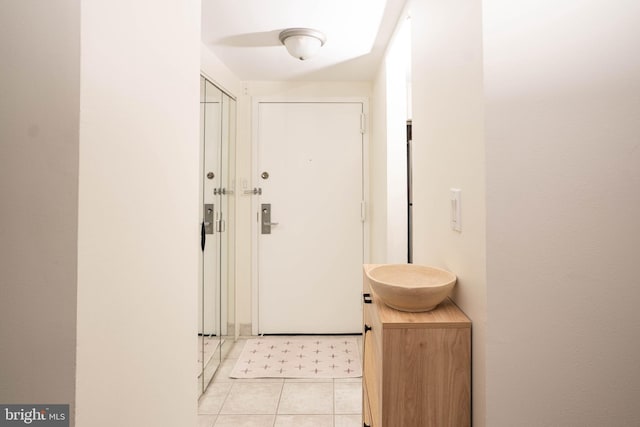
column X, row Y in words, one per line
column 277, row 357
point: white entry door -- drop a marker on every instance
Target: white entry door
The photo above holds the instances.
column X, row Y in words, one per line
column 310, row 170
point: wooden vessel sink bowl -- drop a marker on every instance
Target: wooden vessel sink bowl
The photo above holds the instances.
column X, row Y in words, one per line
column 411, row 287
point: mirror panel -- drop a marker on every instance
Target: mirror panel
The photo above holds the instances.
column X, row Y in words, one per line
column 229, row 333
column 216, row 304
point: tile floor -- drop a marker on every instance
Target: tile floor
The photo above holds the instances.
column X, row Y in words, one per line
column 273, row 402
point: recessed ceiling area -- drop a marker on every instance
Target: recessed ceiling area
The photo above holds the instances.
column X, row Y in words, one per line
column 244, row 35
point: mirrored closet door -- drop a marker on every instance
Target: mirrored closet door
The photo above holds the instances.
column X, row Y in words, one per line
column 216, row 304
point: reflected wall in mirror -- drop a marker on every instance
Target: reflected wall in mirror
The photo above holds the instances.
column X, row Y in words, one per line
column 216, row 293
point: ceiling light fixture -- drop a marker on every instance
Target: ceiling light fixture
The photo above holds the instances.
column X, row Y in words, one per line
column 302, row 43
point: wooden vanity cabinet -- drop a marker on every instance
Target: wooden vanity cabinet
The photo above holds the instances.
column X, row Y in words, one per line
column 416, row 366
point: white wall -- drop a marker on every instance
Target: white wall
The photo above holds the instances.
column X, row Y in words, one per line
column 397, row 61
column 39, row 104
column 378, row 167
column 448, row 152
column 218, row 73
column 244, row 168
column 563, row 212
column 388, row 208
column 138, row 214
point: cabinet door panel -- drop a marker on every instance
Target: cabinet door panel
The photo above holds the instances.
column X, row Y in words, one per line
column 440, row 395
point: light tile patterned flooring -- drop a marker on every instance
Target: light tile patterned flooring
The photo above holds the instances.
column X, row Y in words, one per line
column 277, row 402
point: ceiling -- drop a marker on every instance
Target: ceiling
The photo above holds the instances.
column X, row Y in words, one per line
column 244, row 35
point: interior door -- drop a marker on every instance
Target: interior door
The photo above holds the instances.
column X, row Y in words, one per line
column 310, row 244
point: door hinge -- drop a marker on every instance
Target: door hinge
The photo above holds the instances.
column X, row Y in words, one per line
column 363, row 211
column 363, row 123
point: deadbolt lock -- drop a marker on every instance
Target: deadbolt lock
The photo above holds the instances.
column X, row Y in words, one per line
column 265, row 175
column 210, row 175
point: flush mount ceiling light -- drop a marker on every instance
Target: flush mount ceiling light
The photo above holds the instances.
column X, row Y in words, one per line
column 302, row 43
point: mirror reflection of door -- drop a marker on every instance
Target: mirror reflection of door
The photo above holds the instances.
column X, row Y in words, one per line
column 216, row 326
column 229, row 331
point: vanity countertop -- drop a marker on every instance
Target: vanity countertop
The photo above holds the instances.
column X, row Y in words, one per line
column 446, row 315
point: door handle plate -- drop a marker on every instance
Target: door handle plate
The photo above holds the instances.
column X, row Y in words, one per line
column 266, row 223
column 208, row 218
